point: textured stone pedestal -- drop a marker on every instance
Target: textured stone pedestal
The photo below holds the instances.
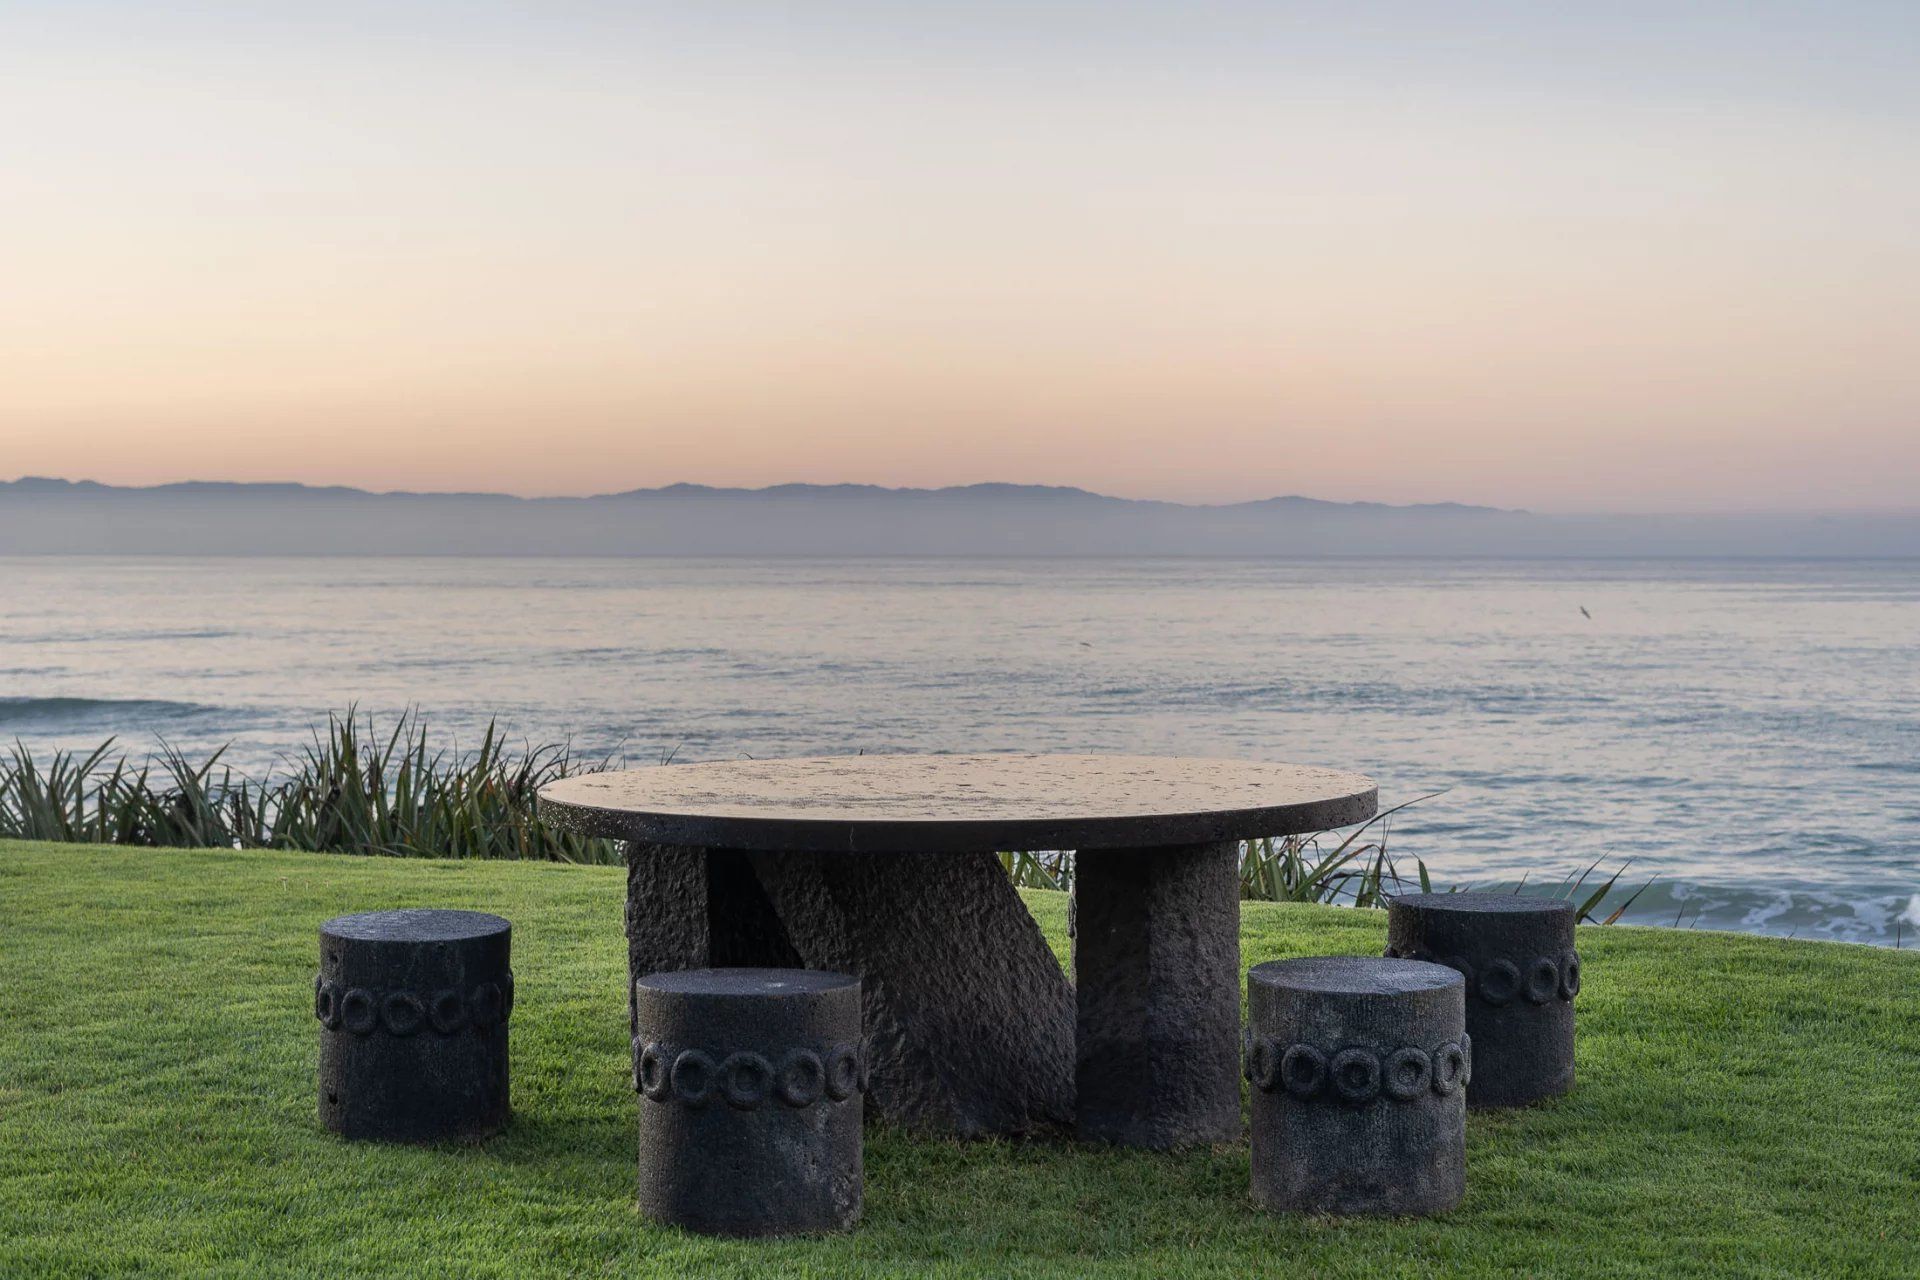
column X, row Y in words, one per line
column 968, row 1018
column 884, row 867
column 413, row 1008
column 750, row 1100
column 1359, row 1068
column 1522, row 973
column 1156, row 958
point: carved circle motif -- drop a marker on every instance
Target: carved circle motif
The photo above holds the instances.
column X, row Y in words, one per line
column 1449, row 1068
column 1303, row 1069
column 746, row 1080
column 802, row 1078
column 326, row 1003
column 1570, row 975
column 402, row 1013
column 447, row 1011
column 487, row 1005
column 1407, row 1074
column 1263, row 1063
column 1360, row 1075
column 653, row 1073
column 1499, row 983
column 1355, row 1074
column 846, row 1073
column 358, row 1012
column 1543, row 980
column 691, row 1078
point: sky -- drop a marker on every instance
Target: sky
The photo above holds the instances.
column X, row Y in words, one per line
column 1622, row 257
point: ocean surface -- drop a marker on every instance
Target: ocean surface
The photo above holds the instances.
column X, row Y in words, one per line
column 1743, row 733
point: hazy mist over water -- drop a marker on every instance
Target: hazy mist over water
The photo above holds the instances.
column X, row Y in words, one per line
column 1747, row 729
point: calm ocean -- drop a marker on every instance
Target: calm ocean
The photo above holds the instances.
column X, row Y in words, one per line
column 1748, row 732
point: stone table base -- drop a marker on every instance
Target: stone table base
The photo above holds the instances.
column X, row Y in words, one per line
column 1156, row 958
column 969, row 1020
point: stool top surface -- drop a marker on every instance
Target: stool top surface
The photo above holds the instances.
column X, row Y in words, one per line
column 1482, row 903
column 1354, row 975
column 765, row 983
column 415, row 924
column 959, row 803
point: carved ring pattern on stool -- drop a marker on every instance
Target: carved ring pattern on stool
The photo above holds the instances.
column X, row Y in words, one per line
column 1539, row 980
column 745, row 1079
column 402, row 1013
column 1303, row 1069
column 1355, row 1074
column 802, row 1078
column 691, row 1077
column 1499, row 983
column 447, row 1011
column 1360, row 1075
column 846, row 1072
column 326, row 1003
column 358, row 1011
column 361, row 1010
column 1263, row 1063
column 1543, row 980
column 653, row 1073
column 1407, row 1074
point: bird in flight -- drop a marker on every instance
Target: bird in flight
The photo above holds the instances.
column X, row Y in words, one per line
column 1585, row 614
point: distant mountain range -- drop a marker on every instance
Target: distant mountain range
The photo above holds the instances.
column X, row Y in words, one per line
column 43, row 516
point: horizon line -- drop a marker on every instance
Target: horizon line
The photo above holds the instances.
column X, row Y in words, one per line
column 1034, row 488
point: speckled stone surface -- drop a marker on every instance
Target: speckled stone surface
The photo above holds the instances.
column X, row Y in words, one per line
column 1156, row 956
column 413, row 1008
column 1359, row 1069
column 1522, row 973
column 958, row 804
column 750, row 1100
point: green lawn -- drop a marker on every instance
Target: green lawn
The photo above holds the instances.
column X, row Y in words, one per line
column 1746, row 1107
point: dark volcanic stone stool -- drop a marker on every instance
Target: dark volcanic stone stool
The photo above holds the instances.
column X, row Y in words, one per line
column 413, row 1009
column 1522, row 974
column 750, row 1083
column 1359, row 1069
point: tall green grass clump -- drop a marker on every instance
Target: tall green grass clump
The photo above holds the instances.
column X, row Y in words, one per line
column 1358, row 871
column 351, row 790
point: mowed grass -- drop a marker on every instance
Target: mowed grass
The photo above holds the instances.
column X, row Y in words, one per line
column 1746, row 1107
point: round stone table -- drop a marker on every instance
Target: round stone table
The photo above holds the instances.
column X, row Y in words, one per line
column 884, row 867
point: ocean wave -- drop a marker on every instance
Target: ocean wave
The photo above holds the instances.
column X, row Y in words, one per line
column 56, row 712
column 1881, row 914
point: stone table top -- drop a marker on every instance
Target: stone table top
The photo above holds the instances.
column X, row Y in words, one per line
column 959, row 803
column 415, row 924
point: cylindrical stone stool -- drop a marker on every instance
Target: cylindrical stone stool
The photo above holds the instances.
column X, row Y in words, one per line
column 750, row 1084
column 413, row 1009
column 1359, row 1068
column 1522, row 973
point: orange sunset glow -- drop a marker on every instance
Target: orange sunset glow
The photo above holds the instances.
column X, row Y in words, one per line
column 1210, row 254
